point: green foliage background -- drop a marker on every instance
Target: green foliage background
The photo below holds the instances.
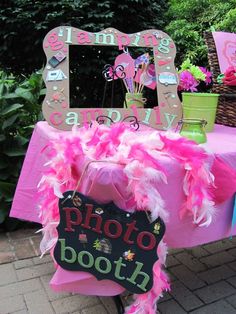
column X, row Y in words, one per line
column 187, row 21
column 20, row 109
column 24, row 24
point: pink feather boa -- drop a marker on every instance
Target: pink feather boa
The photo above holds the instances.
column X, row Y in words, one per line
column 139, row 153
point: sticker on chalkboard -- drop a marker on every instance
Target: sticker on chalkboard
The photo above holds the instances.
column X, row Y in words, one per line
column 106, row 242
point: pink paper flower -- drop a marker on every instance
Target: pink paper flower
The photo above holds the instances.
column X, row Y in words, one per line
column 193, row 78
column 208, row 75
column 187, row 82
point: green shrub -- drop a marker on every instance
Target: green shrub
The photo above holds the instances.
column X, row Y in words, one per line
column 24, row 24
column 20, row 109
column 188, row 21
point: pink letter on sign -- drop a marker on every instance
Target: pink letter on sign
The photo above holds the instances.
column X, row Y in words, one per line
column 147, row 37
column 85, row 113
column 53, row 116
column 83, row 38
column 121, row 42
column 69, row 221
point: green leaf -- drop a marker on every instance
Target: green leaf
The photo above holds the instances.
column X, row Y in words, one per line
column 186, row 64
column 15, row 146
column 24, row 93
column 2, row 137
column 11, row 108
column 9, row 122
column 4, row 174
column 197, row 73
column 14, row 171
column 3, row 163
column 15, row 151
column 43, row 91
column 10, row 96
column 7, row 189
column 4, row 210
column 21, row 140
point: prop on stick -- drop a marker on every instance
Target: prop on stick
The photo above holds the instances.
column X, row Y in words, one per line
column 146, row 78
column 110, row 74
column 133, row 77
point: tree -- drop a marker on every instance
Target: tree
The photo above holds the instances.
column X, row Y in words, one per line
column 24, row 24
column 188, row 21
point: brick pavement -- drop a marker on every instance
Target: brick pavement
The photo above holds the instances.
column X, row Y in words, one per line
column 203, row 281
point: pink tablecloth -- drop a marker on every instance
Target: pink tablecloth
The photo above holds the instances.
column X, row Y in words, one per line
column 179, row 233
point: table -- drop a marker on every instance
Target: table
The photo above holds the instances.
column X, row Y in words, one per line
column 179, row 233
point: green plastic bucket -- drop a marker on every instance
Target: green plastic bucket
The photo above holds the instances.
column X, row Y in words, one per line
column 200, row 106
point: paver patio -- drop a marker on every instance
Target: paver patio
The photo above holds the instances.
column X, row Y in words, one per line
column 203, row 280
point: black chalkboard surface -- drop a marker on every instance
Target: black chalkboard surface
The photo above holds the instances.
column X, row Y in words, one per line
column 108, row 242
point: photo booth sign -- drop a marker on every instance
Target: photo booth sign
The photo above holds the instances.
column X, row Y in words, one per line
column 56, row 105
column 108, row 242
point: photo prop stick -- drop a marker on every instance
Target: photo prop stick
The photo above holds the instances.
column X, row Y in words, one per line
column 107, row 242
column 147, row 77
column 57, row 77
column 143, row 59
column 111, row 73
column 127, row 62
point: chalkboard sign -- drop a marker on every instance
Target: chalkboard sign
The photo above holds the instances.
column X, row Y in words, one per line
column 108, row 242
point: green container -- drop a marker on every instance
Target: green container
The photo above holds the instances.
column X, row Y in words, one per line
column 200, row 106
column 193, row 129
column 134, row 99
